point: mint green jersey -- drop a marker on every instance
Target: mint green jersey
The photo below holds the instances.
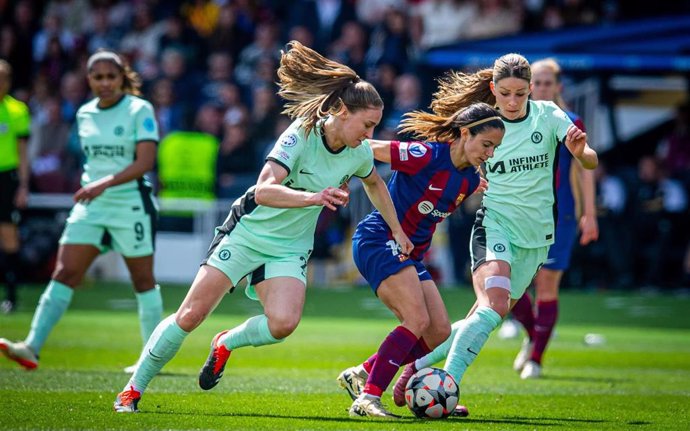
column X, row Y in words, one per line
column 521, row 195
column 109, row 138
column 312, row 167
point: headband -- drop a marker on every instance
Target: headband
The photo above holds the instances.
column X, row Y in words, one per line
column 482, row 121
column 104, row 55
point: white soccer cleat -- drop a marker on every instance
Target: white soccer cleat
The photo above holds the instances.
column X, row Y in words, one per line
column 366, row 405
column 532, row 370
column 509, row 329
column 353, row 380
column 20, row 353
column 523, row 355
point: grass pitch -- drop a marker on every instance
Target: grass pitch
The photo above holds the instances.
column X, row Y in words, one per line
column 639, row 379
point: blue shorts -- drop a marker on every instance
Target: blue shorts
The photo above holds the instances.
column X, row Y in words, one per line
column 560, row 251
column 377, row 257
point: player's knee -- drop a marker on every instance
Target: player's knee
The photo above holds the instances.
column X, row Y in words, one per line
column 282, row 325
column 418, row 322
column 67, row 275
column 189, row 318
column 143, row 282
column 498, row 291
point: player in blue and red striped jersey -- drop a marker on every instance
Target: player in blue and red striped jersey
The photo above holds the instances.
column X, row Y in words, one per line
column 539, row 322
column 430, row 181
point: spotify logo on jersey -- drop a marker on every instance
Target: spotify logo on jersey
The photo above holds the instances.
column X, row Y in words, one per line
column 425, row 207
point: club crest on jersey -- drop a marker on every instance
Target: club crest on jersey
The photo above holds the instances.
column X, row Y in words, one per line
column 460, row 198
column 119, row 130
column 288, row 141
column 537, row 137
column 416, row 149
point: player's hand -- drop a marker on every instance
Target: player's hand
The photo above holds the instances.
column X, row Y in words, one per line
column 404, row 243
column 483, row 185
column 331, row 197
column 91, row 191
column 575, row 140
column 346, row 188
column 21, row 198
column 589, row 228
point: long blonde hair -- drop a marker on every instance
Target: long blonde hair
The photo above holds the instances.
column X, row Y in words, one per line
column 458, row 90
column 316, row 87
column 550, row 65
column 433, row 127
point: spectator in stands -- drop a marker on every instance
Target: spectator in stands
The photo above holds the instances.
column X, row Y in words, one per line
column 390, row 41
column 323, row 18
column 265, row 45
column 351, row 47
column 660, row 219
column 674, row 149
column 495, row 18
column 408, row 98
column 113, row 209
column 53, row 167
column 237, row 166
column 269, row 232
column 441, row 22
column 15, row 123
column 170, row 114
column 220, row 68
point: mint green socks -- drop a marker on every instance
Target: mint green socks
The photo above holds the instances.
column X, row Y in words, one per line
column 150, row 307
column 52, row 305
column 469, row 341
column 163, row 344
column 253, row 332
column 441, row 351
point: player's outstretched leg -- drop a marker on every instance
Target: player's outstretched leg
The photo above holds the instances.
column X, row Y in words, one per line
column 212, row 371
column 353, row 380
column 20, row 353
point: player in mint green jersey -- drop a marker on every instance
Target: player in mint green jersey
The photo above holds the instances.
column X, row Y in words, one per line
column 515, row 225
column 114, row 207
column 269, row 233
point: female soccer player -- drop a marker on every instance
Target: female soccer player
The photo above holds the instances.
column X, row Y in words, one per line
column 269, row 233
column 539, row 323
column 515, row 225
column 114, row 207
column 429, row 182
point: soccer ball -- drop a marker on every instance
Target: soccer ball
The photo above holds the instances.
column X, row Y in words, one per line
column 431, row 393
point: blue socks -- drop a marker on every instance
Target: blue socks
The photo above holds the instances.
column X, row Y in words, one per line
column 52, row 305
column 253, row 332
column 470, row 339
column 150, row 307
column 163, row 344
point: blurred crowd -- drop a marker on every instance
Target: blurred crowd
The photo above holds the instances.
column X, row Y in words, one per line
column 210, row 67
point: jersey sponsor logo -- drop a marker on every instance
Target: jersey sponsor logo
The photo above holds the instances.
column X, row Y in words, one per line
column 417, row 150
column 499, row 248
column 425, row 207
column 148, row 124
column 104, row 151
column 402, row 151
column 119, row 130
column 433, row 189
column 288, row 141
column 537, row 137
column 519, row 164
column 224, row 254
column 440, row 214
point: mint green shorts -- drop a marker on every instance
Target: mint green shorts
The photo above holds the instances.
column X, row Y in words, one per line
column 235, row 257
column 125, row 224
column 488, row 243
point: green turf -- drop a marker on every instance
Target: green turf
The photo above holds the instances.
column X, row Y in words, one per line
column 638, row 379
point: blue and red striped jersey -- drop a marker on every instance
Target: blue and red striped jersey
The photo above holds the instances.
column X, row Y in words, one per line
column 564, row 189
column 426, row 188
